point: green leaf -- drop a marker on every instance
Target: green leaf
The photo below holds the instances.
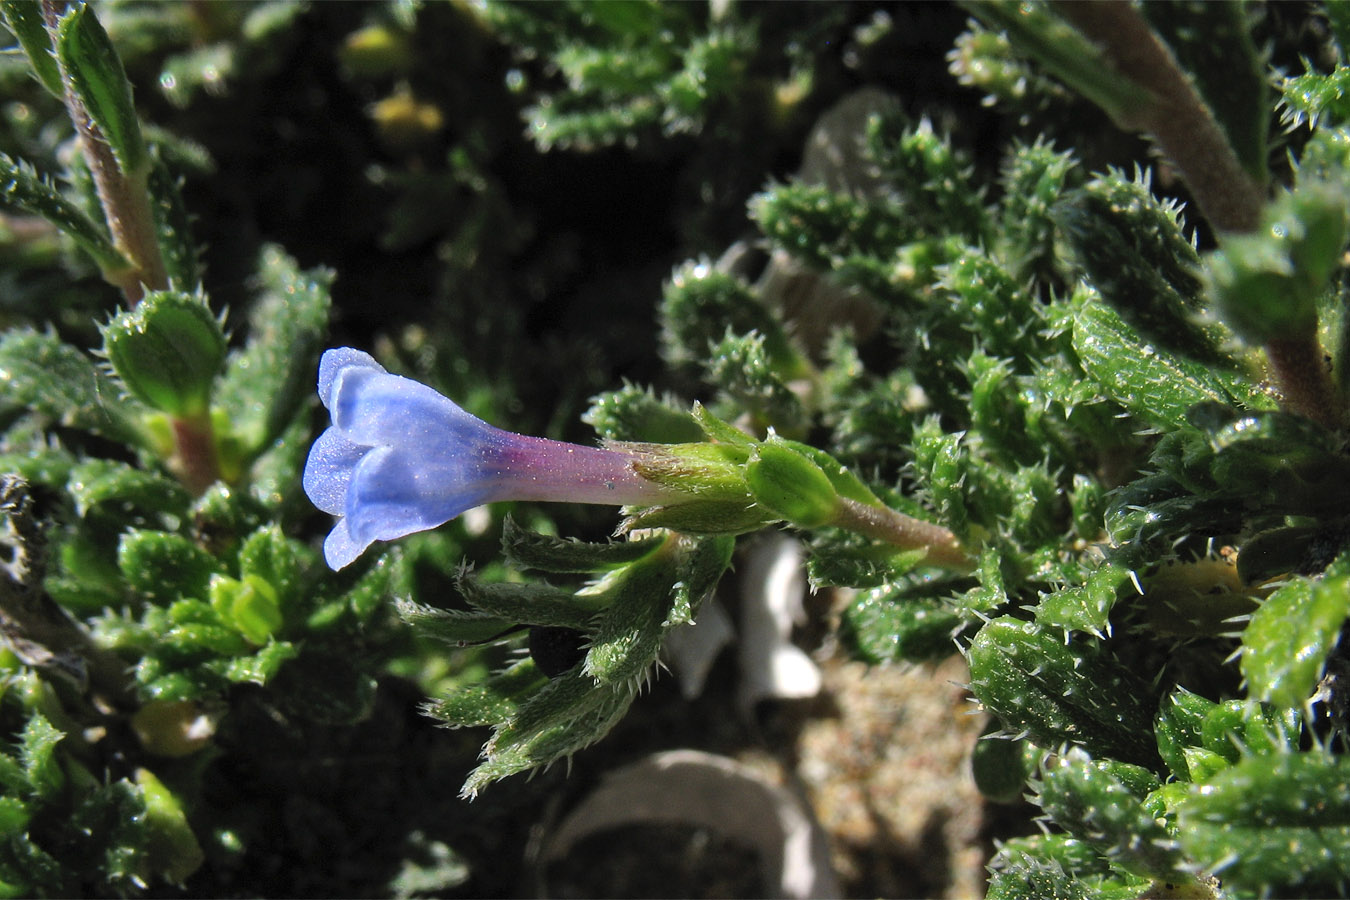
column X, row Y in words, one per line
column 96, row 76
column 1149, row 381
column 701, row 304
column 173, row 229
column 262, row 666
column 1066, row 54
column 24, row 18
column 636, row 414
column 98, row 482
column 885, row 624
column 531, row 603
column 266, row 383
column 1286, row 644
column 53, row 379
column 1085, row 608
column 1135, row 254
column 165, row 566
column 1181, row 718
column 1086, row 799
column 547, row 553
column 1060, row 691
column 1273, row 825
column 37, row 752
column 174, row 851
column 493, row 701
column 1266, row 284
column 167, row 350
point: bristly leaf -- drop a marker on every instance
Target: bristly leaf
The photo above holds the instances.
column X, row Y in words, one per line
column 96, row 75
column 167, row 350
column 266, row 382
column 1060, row 691
column 1135, row 254
column 1038, row 32
column 1285, row 646
column 1273, row 825
column 1148, row 381
column 546, row 553
column 53, row 379
column 21, row 188
column 24, row 18
column 172, row 227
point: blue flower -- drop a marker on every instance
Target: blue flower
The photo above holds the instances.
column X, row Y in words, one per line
column 400, row 458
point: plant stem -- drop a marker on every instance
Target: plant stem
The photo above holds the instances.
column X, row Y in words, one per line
column 904, row 531
column 124, row 196
column 1178, row 118
column 1186, row 130
column 195, row 458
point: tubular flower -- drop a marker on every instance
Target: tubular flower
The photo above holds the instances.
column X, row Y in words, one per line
column 400, row 458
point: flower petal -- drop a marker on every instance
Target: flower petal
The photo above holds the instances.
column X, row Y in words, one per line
column 395, row 492
column 340, row 549
column 328, row 470
column 334, row 361
column 381, row 410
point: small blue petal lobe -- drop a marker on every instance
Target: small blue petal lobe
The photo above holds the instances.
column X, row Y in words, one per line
column 334, row 361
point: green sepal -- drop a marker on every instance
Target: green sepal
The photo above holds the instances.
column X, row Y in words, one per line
column 546, row 553
column 529, row 603
column 266, row 382
column 1286, row 643
column 43, row 375
column 167, row 350
column 24, row 19
column 1060, row 691
column 95, row 74
column 456, row 627
column 790, row 485
column 1089, row 801
column 565, row 714
column 1273, row 825
column 718, row 431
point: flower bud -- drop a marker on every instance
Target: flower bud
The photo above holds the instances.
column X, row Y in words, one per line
column 167, row 351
